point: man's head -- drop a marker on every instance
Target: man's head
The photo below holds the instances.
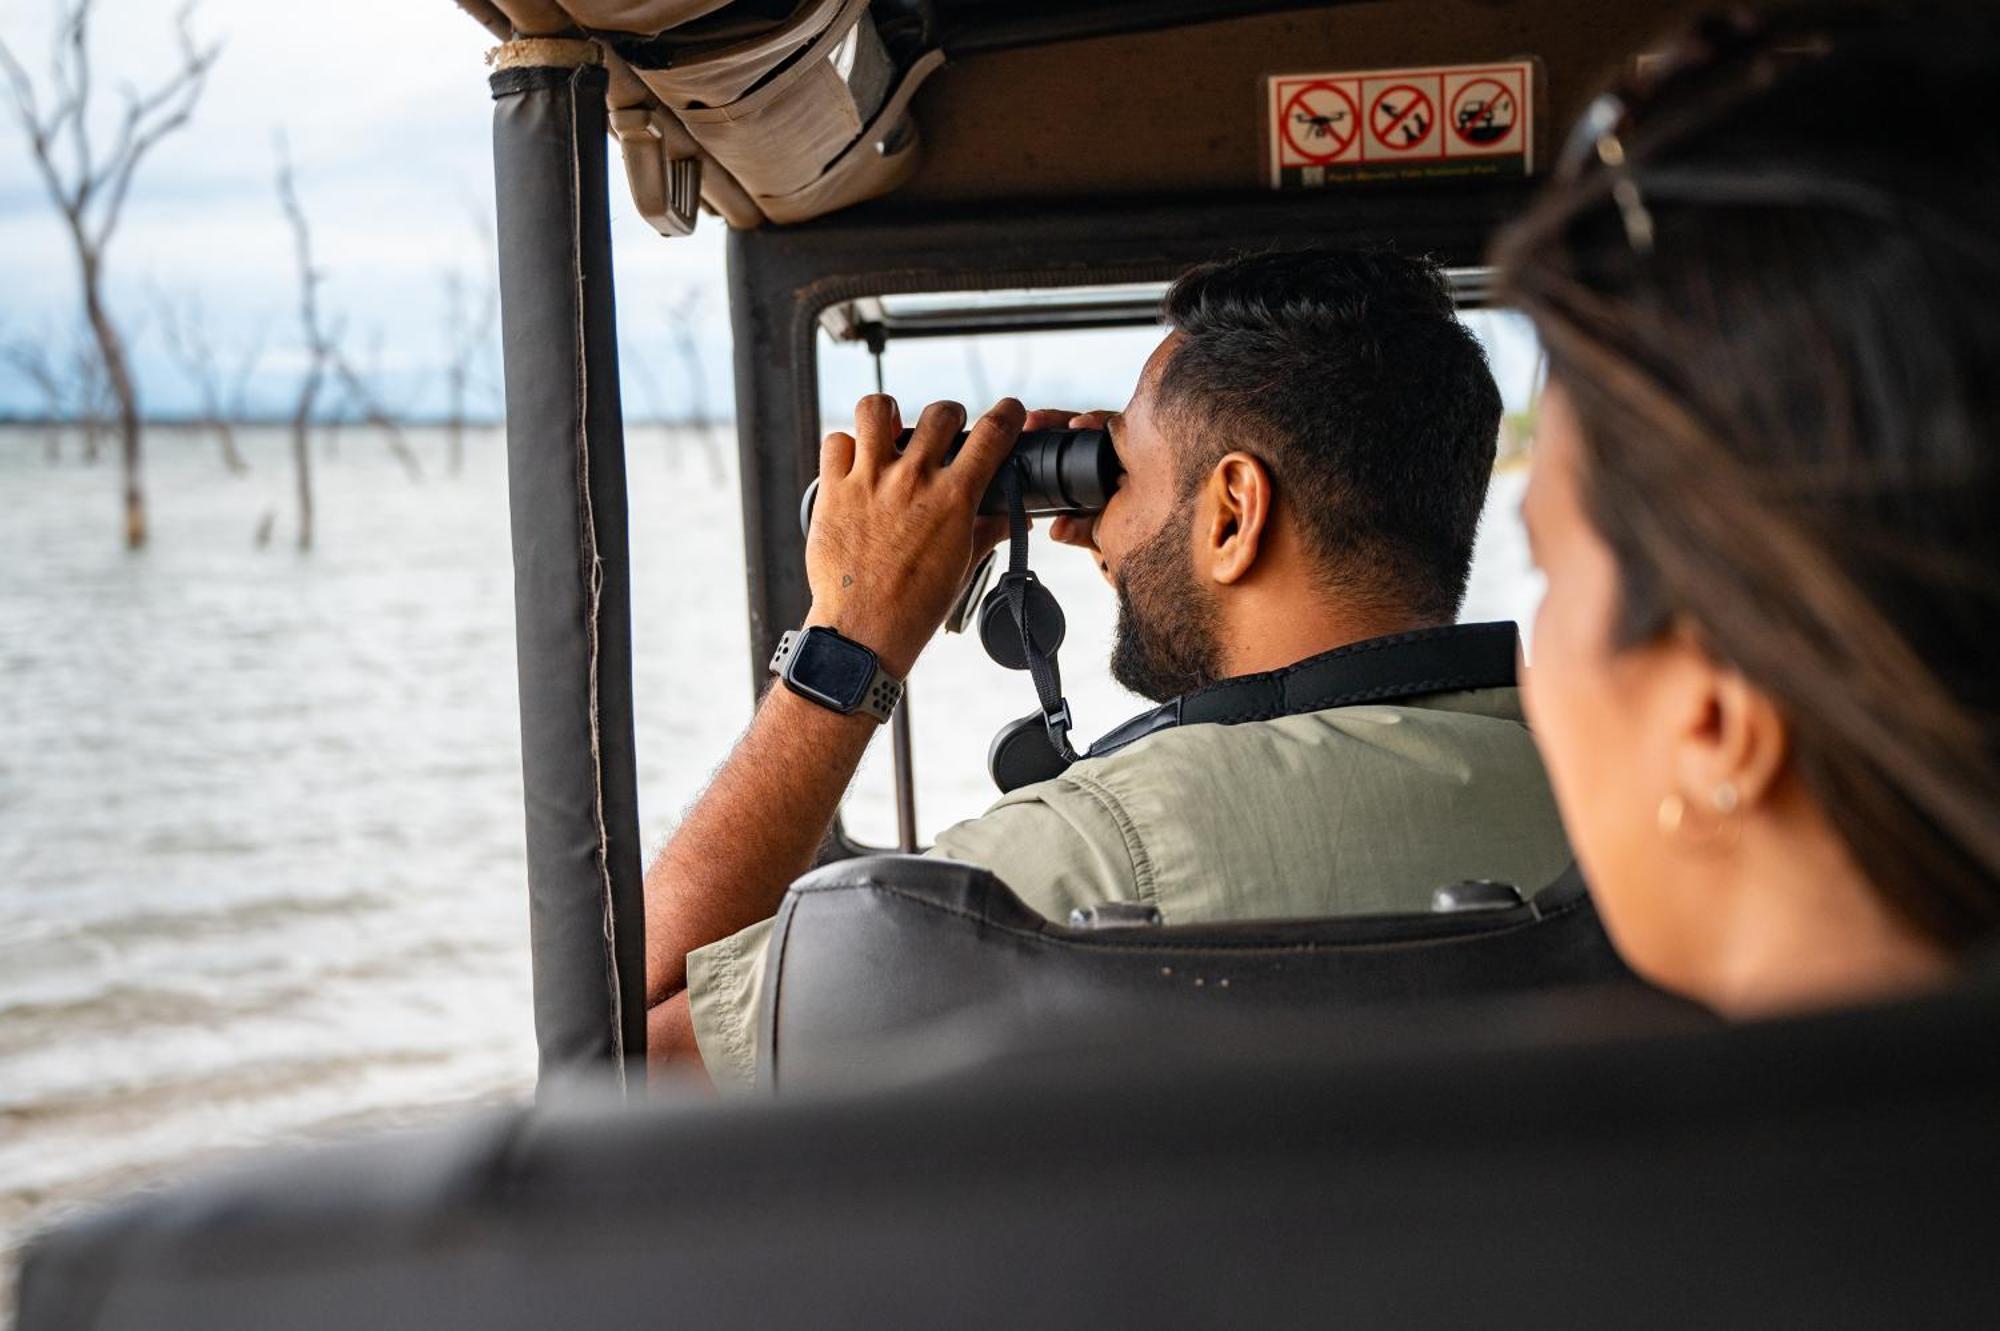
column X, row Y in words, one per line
column 1308, row 448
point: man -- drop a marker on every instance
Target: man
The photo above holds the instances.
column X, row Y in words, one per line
column 1306, row 458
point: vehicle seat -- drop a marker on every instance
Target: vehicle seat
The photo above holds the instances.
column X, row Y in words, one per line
column 1836, row 1170
column 869, row 949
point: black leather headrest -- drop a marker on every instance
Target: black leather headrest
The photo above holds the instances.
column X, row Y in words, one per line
column 875, row 947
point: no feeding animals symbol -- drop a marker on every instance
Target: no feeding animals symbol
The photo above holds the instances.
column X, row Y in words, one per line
column 1320, row 122
column 1401, row 117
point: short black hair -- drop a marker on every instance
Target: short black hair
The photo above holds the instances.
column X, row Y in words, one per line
column 1348, row 374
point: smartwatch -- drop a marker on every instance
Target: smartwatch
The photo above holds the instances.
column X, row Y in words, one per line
column 836, row 672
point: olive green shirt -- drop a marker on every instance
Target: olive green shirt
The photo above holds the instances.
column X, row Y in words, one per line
column 1352, row 810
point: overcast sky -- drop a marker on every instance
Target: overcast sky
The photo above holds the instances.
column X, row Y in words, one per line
column 388, row 117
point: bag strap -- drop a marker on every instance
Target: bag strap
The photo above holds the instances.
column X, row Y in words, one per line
column 1386, row 669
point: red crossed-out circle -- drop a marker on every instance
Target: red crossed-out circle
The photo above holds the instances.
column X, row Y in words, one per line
column 1301, row 117
column 1418, row 105
column 1492, row 95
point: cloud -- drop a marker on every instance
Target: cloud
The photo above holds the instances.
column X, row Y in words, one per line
column 386, row 110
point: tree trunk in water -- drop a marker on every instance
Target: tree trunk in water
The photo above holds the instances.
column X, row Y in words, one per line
column 302, row 452
column 111, row 350
column 135, row 494
column 232, row 456
column 302, row 468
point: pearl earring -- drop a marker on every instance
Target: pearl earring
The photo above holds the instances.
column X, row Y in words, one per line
column 1674, row 824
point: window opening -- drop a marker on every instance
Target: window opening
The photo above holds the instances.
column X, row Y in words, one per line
column 966, row 697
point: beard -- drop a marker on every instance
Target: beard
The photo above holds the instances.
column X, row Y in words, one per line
column 1167, row 643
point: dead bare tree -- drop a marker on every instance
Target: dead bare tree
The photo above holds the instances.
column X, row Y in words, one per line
column 184, row 329
column 33, row 359
column 90, row 190
column 318, row 342
column 325, row 361
column 359, row 397
column 468, row 329
column 69, row 376
column 96, row 403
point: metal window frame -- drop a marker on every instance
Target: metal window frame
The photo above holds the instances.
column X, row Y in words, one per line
column 783, row 280
column 880, row 320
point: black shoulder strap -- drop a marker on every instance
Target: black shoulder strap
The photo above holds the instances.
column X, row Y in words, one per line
column 1386, row 669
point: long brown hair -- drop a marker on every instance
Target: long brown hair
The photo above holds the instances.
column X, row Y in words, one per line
column 1770, row 283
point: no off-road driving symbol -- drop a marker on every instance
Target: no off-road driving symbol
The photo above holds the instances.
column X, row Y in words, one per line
column 1320, row 122
column 1379, row 126
column 1484, row 111
column 1401, row 118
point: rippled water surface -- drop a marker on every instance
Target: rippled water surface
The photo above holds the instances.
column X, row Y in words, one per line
column 260, row 828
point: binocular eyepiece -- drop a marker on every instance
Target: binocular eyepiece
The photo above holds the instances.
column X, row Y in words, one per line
column 1062, row 471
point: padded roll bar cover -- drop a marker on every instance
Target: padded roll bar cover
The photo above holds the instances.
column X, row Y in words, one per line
column 572, row 570
column 867, row 949
column 1831, row 1171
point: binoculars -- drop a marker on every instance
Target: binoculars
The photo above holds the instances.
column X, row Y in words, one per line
column 1062, row 471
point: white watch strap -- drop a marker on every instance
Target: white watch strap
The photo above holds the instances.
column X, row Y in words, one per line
column 884, row 689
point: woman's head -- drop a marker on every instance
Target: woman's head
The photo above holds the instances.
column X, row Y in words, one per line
column 1767, row 493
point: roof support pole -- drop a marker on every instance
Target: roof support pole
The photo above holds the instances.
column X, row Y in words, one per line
column 777, row 424
column 572, row 600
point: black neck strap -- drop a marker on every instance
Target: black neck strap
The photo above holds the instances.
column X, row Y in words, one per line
column 1384, row 670
column 1042, row 667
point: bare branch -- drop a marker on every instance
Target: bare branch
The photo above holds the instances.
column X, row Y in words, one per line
column 184, row 329
column 71, row 70
column 27, row 107
column 39, row 132
column 324, row 357
column 363, row 399
column 318, row 344
column 249, row 358
column 315, row 339
column 90, row 192
column 33, row 359
column 468, row 331
column 151, row 118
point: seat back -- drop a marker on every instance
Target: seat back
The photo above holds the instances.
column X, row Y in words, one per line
column 870, row 949
column 1833, row 1171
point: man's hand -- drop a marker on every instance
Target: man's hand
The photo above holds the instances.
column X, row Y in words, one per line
column 893, row 538
column 892, row 541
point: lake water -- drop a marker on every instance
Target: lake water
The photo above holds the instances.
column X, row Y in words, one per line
column 261, row 868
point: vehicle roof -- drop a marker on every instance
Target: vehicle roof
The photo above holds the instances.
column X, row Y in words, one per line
column 1040, row 99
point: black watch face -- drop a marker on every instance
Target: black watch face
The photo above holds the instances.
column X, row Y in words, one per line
column 832, row 669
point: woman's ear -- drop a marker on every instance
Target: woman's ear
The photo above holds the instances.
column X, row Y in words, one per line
column 1238, row 514
column 1733, row 741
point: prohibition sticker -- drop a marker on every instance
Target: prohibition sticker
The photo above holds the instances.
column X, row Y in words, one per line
column 1483, row 112
column 1402, row 118
column 1387, row 125
column 1320, row 123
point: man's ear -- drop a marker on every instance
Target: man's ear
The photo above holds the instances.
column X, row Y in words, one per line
column 1240, row 495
